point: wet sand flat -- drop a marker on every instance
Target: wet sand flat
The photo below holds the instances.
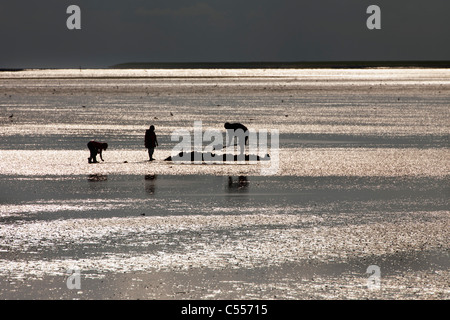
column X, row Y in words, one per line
column 239, row 257
column 362, row 180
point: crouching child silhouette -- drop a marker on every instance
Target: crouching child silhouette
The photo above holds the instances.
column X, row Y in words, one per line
column 96, row 148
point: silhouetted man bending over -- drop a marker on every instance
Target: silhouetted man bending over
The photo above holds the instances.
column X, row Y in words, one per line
column 237, row 130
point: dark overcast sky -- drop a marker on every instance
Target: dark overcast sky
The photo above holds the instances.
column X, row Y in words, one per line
column 34, row 33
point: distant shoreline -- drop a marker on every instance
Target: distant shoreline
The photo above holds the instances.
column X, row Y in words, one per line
column 283, row 65
column 262, row 65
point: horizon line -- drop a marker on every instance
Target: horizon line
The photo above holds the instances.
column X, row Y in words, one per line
column 338, row 64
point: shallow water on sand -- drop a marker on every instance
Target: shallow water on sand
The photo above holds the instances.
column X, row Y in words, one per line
column 362, row 179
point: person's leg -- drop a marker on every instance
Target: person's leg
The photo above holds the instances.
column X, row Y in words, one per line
column 230, row 135
column 241, row 145
column 94, row 155
column 150, row 153
column 90, row 156
column 241, row 139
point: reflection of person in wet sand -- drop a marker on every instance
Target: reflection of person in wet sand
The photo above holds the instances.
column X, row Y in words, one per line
column 234, row 130
column 150, row 183
column 96, row 148
column 150, row 141
column 241, row 183
column 97, row 177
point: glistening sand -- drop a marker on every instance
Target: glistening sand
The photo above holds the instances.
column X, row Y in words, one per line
column 362, row 180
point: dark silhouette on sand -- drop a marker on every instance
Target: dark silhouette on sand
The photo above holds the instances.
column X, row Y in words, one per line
column 208, row 157
column 231, row 128
column 96, row 148
column 150, row 141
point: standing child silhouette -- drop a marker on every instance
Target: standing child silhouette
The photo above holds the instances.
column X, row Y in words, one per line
column 150, row 141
